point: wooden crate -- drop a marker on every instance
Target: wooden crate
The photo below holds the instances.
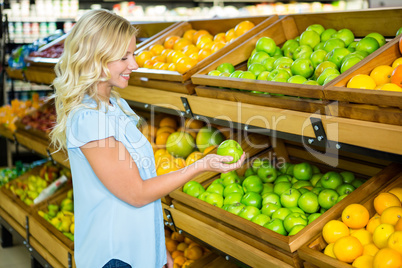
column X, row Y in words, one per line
column 285, row 247
column 151, row 30
column 174, row 81
column 15, row 73
column 312, row 251
column 318, row 99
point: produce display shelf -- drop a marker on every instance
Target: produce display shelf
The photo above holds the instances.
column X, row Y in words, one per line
column 6, row 133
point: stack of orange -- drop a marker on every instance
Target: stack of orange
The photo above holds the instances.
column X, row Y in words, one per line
column 183, row 250
column 382, row 77
column 364, row 241
column 181, row 53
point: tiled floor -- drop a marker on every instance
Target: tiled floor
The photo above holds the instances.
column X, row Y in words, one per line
column 16, row 256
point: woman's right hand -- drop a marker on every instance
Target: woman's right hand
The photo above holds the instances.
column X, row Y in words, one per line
column 216, row 163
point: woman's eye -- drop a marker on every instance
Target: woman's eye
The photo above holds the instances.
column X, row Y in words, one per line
column 124, row 59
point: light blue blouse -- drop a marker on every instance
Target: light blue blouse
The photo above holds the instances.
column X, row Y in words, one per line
column 106, row 227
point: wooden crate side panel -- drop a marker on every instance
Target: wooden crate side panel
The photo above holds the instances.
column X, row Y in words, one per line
column 178, row 86
column 52, row 260
column 9, row 204
column 14, row 224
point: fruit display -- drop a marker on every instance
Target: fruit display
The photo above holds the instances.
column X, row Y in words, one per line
column 365, row 240
column 183, row 250
column 283, row 200
column 31, row 184
column 61, row 214
column 42, row 119
column 9, row 174
column 181, row 53
column 315, row 57
column 54, row 51
column 10, row 113
column 178, row 146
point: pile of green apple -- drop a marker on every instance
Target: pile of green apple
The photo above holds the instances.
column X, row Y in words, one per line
column 61, row 216
column 315, row 57
column 283, row 199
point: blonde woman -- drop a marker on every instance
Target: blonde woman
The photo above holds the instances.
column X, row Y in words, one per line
column 118, row 213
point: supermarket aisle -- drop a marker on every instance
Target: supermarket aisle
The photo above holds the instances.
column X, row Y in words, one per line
column 16, row 256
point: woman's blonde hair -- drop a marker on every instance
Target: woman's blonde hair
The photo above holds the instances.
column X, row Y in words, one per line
column 98, row 38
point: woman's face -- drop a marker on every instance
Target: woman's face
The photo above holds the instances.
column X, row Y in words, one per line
column 120, row 70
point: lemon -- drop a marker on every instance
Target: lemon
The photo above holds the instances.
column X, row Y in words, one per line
column 391, row 87
column 381, row 235
column 362, row 81
column 397, row 62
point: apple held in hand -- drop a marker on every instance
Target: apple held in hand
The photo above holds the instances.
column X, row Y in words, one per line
column 230, row 148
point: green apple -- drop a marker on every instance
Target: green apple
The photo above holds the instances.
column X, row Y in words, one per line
column 267, row 188
column 252, row 199
column 296, row 229
column 302, row 52
column 226, row 67
column 337, row 55
column 283, row 62
column 290, row 49
column 311, row 82
column 317, row 57
column 272, row 198
column 281, row 213
column 316, row 177
column 249, row 212
column 333, row 43
column 398, row 32
column 281, row 187
column 318, row 28
column 322, row 66
column 379, row 37
column 257, row 163
column 327, row 198
column 266, row 44
column 327, row 72
column 310, row 38
column 297, row 209
column 294, row 219
column 195, row 190
column 308, row 202
column 236, row 208
column 317, row 190
column 258, row 57
column 252, row 183
column 233, row 188
column 286, row 168
column 224, row 74
column 330, row 78
column 263, row 76
column 276, row 225
column 347, row 176
column 368, row 44
column 357, row 182
column 216, row 188
column 214, row 199
column 300, row 184
column 261, row 219
column 267, row 173
column 303, row 190
column 297, row 79
column 283, row 177
column 278, row 52
column 345, row 35
column 230, row 148
column 232, row 198
column 331, row 180
column 341, row 197
column 249, row 171
column 269, row 208
column 269, row 63
column 320, row 46
column 345, row 189
column 303, row 67
column 203, row 195
column 247, row 75
column 352, row 46
column 278, row 75
column 290, row 197
column 256, row 68
column 349, row 62
column 234, row 178
column 313, row 216
column 303, row 171
column 214, row 73
column 236, row 74
column 327, row 34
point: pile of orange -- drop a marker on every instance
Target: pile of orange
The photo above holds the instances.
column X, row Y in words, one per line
column 181, row 53
column 367, row 241
column 183, row 250
column 382, row 77
column 158, row 136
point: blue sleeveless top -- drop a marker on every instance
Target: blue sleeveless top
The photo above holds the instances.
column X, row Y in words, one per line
column 106, row 227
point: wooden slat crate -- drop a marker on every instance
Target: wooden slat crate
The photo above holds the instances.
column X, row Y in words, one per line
column 15, row 73
column 147, row 31
column 285, row 247
column 146, row 77
column 312, row 251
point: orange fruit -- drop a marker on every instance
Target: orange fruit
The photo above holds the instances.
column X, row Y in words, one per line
column 170, row 41
column 168, row 122
column 230, row 35
column 177, row 55
column 182, row 246
column 198, row 34
column 391, row 215
column 162, row 138
column 334, row 230
column 373, row 223
column 171, row 245
column 216, row 46
column 181, row 43
column 142, row 57
column 188, row 240
column 363, row 81
column 381, row 234
column 149, row 130
column 355, row 216
column 156, row 49
column 194, row 124
column 388, row 258
column 160, row 152
column 176, row 253
column 364, row 261
column 194, row 156
column 395, row 241
column 203, row 53
column 220, row 37
column 385, row 200
column 397, row 191
column 355, row 230
column 187, row 264
column 166, row 51
column 149, row 64
column 175, row 265
column 164, row 162
column 396, row 76
column 370, row 249
column 382, row 74
column 347, row 249
column 190, row 49
column 172, row 67
column 194, row 56
column 329, row 250
column 364, row 236
column 397, row 62
column 177, row 237
column 209, row 149
column 243, row 27
column 193, row 253
column 390, row 87
column 189, row 34
column 179, row 260
column 180, row 162
column 165, row 129
column 159, row 58
column 185, row 64
column 398, row 225
column 202, row 40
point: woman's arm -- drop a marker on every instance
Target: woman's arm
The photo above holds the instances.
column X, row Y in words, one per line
column 115, row 168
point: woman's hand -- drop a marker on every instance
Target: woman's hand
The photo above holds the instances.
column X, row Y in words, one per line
column 217, row 163
column 169, row 263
